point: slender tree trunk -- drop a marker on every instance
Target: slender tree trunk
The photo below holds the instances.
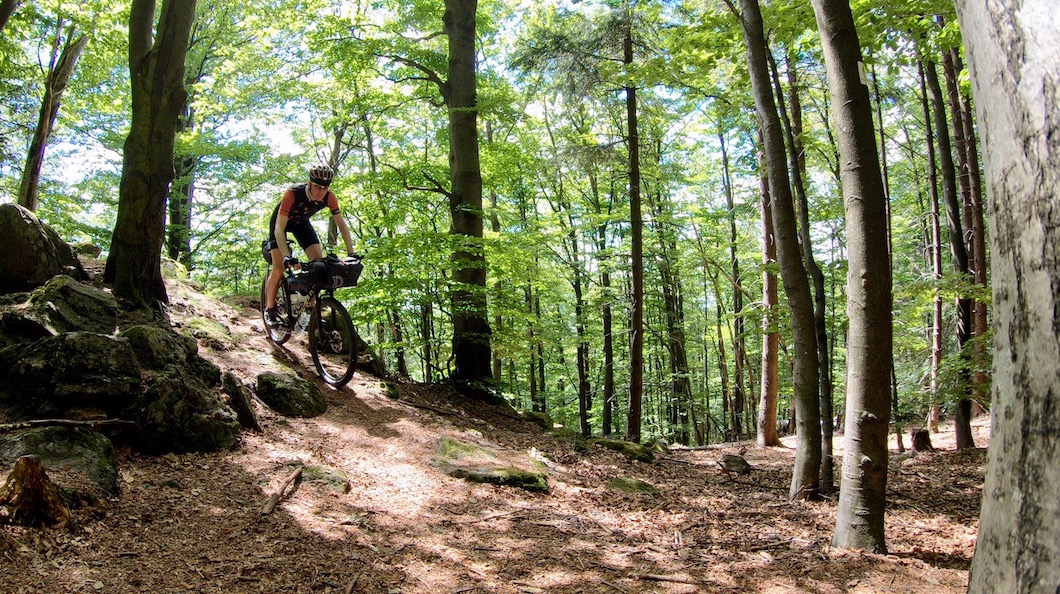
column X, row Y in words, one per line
column 796, row 157
column 767, row 416
column 606, row 321
column 62, row 68
column 935, row 250
column 859, row 521
column 739, row 396
column 878, row 103
column 1018, row 548
column 156, row 63
column 636, row 348
column 681, row 386
column 180, row 200
column 805, row 482
column 471, row 330
column 962, row 418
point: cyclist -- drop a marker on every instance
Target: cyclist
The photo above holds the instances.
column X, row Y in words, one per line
column 291, row 215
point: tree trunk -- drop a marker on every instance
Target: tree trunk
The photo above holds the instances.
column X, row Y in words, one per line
column 636, row 329
column 739, row 396
column 767, row 416
column 805, row 481
column 862, row 500
column 681, row 386
column 156, row 63
column 962, row 419
column 7, row 8
column 58, row 77
column 180, row 201
column 935, row 249
column 471, row 330
column 1017, row 550
column 606, row 321
column 793, row 136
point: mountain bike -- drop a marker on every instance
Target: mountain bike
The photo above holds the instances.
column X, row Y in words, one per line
column 307, row 303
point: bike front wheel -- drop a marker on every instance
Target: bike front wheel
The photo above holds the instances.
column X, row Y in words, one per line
column 333, row 342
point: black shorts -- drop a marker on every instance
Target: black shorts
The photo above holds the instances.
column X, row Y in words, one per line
column 302, row 230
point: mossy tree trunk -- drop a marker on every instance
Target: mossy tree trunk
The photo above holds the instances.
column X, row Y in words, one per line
column 156, row 65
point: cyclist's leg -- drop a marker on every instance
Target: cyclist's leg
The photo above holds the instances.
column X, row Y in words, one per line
column 314, row 252
column 275, row 276
column 308, row 239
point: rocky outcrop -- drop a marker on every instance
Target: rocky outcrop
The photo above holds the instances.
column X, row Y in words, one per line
column 290, row 395
column 35, row 253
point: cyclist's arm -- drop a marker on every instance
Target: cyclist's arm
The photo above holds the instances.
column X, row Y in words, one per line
column 340, row 223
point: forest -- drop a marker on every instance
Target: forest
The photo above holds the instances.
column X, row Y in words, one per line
column 700, row 221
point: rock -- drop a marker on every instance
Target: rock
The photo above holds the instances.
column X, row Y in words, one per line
column 290, row 395
column 74, row 369
column 572, row 438
column 630, row 485
column 79, row 449
column 156, row 348
column 633, row 451
column 333, row 478
column 734, row 463
column 179, row 413
column 540, row 419
column 240, row 401
column 33, row 253
column 478, row 464
column 66, row 305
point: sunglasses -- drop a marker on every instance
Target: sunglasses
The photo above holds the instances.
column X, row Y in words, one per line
column 315, row 186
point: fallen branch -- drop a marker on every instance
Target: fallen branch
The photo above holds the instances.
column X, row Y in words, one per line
column 275, row 497
column 97, row 424
column 664, row 578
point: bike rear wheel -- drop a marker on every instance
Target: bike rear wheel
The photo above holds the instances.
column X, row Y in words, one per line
column 276, row 334
column 333, row 342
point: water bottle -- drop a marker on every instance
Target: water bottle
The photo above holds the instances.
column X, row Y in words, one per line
column 303, row 319
column 299, row 309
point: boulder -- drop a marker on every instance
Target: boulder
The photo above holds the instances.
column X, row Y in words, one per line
column 290, row 395
column 71, row 370
column 64, row 304
column 33, row 253
column 478, row 464
column 177, row 412
column 156, row 348
column 632, row 486
column 633, row 451
column 79, row 449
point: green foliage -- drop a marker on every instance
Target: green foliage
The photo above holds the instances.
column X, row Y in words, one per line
column 277, row 84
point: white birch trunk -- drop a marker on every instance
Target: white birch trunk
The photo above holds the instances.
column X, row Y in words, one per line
column 1014, row 56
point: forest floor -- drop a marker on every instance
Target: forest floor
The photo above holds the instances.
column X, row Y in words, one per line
column 193, row 523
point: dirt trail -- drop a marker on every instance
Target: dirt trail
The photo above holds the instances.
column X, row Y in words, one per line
column 192, row 523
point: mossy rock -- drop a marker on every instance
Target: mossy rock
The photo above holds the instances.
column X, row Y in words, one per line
column 84, row 450
column 390, row 389
column 633, row 451
column 631, row 485
column 659, row 445
column 290, row 395
column 477, row 464
column 540, row 419
column 574, row 439
column 211, row 333
column 334, row 478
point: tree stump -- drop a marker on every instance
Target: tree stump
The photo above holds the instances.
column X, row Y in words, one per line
column 29, row 498
column 922, row 441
